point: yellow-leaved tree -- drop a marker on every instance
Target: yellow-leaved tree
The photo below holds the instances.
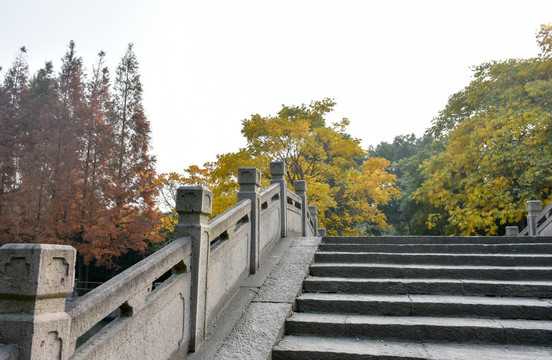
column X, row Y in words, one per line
column 342, row 180
column 498, row 145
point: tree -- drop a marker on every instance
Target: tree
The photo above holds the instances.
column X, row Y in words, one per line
column 130, row 219
column 345, row 185
column 12, row 94
column 406, row 215
column 62, row 191
column 74, row 161
column 97, row 147
column 35, row 138
column 497, row 150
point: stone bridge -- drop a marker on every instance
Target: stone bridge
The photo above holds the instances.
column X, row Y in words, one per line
column 261, row 281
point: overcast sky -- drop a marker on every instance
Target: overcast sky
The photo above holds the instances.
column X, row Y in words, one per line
column 207, row 65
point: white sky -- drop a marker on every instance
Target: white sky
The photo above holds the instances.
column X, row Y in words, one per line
column 207, row 65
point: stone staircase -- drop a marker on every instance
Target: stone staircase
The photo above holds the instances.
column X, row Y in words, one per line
column 424, row 298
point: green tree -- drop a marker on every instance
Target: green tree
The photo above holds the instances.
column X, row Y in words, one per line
column 406, row 215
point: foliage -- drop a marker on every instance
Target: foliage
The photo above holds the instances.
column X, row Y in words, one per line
column 74, row 158
column 345, row 186
column 406, row 215
column 497, row 136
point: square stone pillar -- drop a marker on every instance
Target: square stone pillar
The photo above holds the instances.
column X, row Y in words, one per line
column 249, row 179
column 300, row 187
column 534, row 208
column 278, row 176
column 512, row 231
column 313, row 211
column 194, row 205
column 35, row 280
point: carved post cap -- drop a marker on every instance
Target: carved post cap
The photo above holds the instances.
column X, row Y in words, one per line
column 37, row 270
column 249, row 176
column 277, row 168
column 534, row 205
column 313, row 210
column 512, row 231
column 321, row 232
column 300, row 186
column 194, row 199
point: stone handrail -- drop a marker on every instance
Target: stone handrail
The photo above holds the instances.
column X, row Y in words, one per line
column 229, row 219
column 202, row 269
column 312, row 223
column 544, row 222
column 294, row 200
column 268, row 193
column 539, row 221
column 121, row 290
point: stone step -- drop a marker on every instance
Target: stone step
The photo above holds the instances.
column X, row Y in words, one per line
column 435, row 258
column 453, row 248
column 331, row 348
column 427, row 305
column 435, row 239
column 430, row 271
column 542, row 289
column 419, row 329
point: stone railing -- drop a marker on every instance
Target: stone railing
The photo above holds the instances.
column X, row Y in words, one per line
column 154, row 319
column 539, row 221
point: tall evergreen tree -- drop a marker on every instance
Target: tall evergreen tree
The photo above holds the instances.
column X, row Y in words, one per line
column 12, row 93
column 34, row 138
column 67, row 131
column 133, row 210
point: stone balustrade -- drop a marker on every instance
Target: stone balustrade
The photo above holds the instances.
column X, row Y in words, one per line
column 539, row 221
column 157, row 319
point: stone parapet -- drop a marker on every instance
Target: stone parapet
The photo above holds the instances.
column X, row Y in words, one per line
column 203, row 269
column 35, row 280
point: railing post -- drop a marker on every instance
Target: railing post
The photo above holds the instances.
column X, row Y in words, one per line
column 534, row 207
column 278, row 176
column 249, row 179
column 321, row 232
column 512, row 231
column 300, row 187
column 313, row 210
column 35, row 280
column 193, row 205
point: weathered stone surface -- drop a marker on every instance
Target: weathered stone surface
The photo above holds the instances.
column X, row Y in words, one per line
column 432, row 258
column 36, row 270
column 285, row 282
column 336, row 348
column 160, row 330
column 303, row 348
column 261, row 317
column 8, row 352
column 270, row 231
column 256, row 333
column 194, row 199
column 35, row 280
column 427, row 305
column 497, row 248
column 424, row 298
column 413, row 328
column 432, row 240
column 425, row 271
column 228, row 267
